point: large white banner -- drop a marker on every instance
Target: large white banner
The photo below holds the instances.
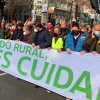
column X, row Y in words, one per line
column 75, row 76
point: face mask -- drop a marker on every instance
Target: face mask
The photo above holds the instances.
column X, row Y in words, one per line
column 97, row 33
column 35, row 30
column 75, row 33
column 24, row 33
column 63, row 29
column 49, row 27
column 55, row 35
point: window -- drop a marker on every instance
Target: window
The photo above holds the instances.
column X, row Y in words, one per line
column 39, row 1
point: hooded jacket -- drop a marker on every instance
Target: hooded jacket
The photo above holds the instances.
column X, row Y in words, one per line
column 75, row 45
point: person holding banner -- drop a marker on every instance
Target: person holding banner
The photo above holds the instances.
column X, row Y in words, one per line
column 18, row 32
column 92, row 44
column 75, row 40
column 42, row 38
column 28, row 34
column 58, row 40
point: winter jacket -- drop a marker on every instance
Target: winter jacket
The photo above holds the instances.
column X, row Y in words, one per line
column 18, row 34
column 91, row 45
column 42, row 38
column 75, row 45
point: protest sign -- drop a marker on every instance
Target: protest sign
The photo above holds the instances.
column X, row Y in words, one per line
column 75, row 76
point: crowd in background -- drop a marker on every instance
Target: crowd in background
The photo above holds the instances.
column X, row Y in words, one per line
column 62, row 37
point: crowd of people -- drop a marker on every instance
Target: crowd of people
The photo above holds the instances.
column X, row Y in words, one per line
column 62, row 37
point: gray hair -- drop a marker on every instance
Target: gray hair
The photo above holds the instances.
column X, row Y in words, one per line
column 27, row 27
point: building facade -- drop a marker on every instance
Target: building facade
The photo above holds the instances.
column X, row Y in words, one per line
column 17, row 9
column 60, row 10
column 37, row 10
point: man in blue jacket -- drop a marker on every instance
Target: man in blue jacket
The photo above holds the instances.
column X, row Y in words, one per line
column 42, row 38
column 75, row 40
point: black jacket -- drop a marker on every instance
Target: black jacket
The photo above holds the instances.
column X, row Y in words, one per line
column 18, row 35
column 42, row 38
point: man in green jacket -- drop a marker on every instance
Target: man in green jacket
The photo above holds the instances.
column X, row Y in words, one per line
column 92, row 44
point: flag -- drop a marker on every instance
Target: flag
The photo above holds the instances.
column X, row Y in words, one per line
column 27, row 20
column 14, row 22
column 95, row 5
